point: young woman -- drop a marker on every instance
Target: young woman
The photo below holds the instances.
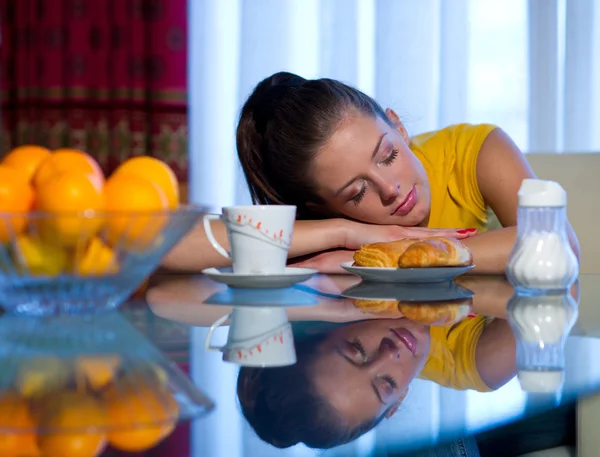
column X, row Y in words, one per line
column 357, row 177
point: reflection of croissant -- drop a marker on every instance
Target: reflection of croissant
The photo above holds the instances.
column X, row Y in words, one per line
column 428, row 313
column 408, row 253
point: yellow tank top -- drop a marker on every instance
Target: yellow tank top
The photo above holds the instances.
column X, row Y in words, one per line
column 450, row 160
column 451, row 360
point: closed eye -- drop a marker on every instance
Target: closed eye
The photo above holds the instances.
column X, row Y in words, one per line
column 391, row 157
column 358, row 197
column 357, row 344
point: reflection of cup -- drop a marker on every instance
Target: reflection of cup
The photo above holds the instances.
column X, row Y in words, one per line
column 541, row 325
column 259, row 237
column 258, row 337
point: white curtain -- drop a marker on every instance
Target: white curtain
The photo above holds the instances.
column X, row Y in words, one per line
column 529, row 66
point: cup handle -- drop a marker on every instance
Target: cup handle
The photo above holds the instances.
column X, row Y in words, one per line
column 207, row 342
column 209, row 234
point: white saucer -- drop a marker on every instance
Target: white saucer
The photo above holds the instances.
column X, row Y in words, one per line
column 406, row 275
column 288, row 278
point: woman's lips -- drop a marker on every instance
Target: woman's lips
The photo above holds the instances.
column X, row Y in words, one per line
column 406, row 338
column 407, row 204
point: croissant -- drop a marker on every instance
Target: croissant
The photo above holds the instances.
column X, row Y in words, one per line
column 436, row 252
column 377, row 306
column 441, row 314
column 427, row 313
column 382, row 255
column 414, row 253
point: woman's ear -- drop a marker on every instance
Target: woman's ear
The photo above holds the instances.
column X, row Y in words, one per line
column 392, row 411
column 395, row 120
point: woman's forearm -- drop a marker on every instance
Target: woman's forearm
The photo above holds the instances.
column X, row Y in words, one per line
column 195, row 253
column 492, row 249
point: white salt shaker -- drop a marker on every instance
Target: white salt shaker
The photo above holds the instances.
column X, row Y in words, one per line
column 542, row 260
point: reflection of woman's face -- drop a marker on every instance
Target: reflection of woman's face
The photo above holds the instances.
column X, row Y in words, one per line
column 365, row 368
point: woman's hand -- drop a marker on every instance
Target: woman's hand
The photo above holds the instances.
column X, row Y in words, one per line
column 357, row 234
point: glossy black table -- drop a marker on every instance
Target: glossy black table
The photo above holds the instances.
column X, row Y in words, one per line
column 177, row 312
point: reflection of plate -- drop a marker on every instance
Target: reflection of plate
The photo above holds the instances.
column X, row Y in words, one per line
column 262, row 298
column 407, row 275
column 418, row 292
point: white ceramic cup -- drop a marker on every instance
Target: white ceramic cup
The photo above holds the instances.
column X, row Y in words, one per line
column 259, row 237
column 258, row 337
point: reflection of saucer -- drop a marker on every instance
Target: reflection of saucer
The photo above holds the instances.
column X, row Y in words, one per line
column 283, row 298
column 408, row 292
column 288, row 278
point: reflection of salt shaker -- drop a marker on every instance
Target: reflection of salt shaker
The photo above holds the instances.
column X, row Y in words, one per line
column 541, row 325
column 542, row 259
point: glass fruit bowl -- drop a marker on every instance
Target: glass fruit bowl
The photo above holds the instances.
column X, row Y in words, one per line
column 72, row 263
column 87, row 381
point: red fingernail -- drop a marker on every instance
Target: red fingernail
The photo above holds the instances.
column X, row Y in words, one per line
column 462, row 232
column 472, row 315
column 471, row 230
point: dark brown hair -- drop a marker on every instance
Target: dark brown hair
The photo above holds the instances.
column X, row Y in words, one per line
column 284, row 408
column 283, row 124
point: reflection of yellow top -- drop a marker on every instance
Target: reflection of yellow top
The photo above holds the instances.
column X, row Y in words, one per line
column 450, row 160
column 451, row 360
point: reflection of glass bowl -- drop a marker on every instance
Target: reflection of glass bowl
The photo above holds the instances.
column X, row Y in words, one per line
column 53, row 264
column 90, row 377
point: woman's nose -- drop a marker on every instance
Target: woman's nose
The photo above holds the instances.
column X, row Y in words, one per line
column 389, row 191
column 387, row 352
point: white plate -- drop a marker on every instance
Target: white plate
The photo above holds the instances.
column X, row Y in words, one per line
column 406, row 275
column 416, row 292
column 288, row 278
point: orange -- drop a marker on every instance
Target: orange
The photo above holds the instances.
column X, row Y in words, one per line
column 16, row 196
column 97, row 259
column 15, row 415
column 65, row 196
column 71, row 426
column 68, row 160
column 158, row 172
column 39, row 375
column 40, row 258
column 141, row 202
column 26, row 158
column 140, row 417
column 98, row 371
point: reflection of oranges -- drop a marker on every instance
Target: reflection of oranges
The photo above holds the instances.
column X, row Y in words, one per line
column 16, row 195
column 15, row 415
column 69, row 425
column 98, row 371
column 39, row 258
column 96, row 259
column 26, row 158
column 67, row 194
column 130, row 194
column 142, row 417
column 37, row 376
column 68, row 160
column 156, row 171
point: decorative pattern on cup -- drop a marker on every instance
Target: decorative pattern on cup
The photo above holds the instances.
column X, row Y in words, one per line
column 283, row 337
column 277, row 237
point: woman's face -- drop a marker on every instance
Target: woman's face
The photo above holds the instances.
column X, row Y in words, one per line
column 367, row 172
column 364, row 369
